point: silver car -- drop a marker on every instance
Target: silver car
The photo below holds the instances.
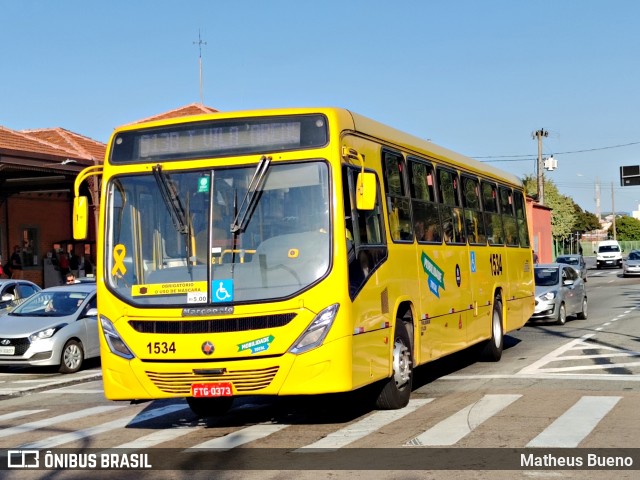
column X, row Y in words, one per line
column 56, row 326
column 631, row 264
column 576, row 261
column 560, row 292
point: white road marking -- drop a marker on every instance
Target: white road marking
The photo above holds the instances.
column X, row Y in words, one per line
column 18, row 414
column 364, row 427
column 568, row 430
column 460, row 424
column 70, row 417
column 235, row 439
column 104, row 427
column 156, row 438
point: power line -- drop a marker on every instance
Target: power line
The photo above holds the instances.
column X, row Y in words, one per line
column 524, row 158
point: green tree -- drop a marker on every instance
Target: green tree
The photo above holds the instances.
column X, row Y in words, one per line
column 627, row 228
column 585, row 221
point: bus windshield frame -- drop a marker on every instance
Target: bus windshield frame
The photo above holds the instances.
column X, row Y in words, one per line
column 284, row 248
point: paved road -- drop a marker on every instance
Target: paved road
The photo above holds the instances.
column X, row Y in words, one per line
column 573, row 387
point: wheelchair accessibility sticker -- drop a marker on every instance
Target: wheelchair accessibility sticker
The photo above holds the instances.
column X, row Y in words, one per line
column 222, row 291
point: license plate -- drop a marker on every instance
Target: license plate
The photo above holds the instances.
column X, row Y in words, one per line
column 219, row 389
column 7, row 350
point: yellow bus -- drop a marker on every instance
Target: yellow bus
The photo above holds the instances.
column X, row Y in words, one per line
column 297, row 252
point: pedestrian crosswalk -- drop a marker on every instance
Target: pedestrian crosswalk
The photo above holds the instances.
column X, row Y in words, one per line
column 173, row 425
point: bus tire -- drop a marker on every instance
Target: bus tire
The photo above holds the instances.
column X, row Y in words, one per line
column 209, row 407
column 492, row 349
column 397, row 389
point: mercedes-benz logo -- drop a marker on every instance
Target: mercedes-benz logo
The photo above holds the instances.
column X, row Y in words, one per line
column 5, row 341
column 207, row 348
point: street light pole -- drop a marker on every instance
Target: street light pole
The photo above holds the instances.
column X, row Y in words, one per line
column 540, row 171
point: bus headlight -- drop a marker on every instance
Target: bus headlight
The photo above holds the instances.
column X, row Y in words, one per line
column 116, row 344
column 317, row 330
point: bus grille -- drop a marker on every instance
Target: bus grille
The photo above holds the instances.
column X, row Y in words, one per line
column 179, row 383
column 222, row 325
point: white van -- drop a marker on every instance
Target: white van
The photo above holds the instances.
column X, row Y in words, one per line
column 608, row 254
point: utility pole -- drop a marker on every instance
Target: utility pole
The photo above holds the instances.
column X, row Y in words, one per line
column 540, row 171
column 598, row 199
column 613, row 213
column 200, row 43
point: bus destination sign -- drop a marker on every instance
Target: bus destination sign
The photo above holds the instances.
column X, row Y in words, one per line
column 217, row 138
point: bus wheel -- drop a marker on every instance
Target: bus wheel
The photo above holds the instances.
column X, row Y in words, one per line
column 397, row 389
column 209, row 407
column 492, row 349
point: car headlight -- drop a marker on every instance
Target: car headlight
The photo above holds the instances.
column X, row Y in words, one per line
column 115, row 342
column 46, row 333
column 317, row 330
column 548, row 296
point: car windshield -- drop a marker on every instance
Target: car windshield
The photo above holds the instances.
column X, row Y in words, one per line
column 568, row 260
column 608, row 248
column 634, row 256
column 218, row 236
column 50, row 304
column 547, row 277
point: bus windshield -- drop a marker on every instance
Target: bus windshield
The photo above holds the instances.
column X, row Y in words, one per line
column 171, row 238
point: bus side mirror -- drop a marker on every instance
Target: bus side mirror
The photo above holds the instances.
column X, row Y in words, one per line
column 366, row 191
column 80, row 217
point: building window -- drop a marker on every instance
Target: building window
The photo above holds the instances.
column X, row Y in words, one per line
column 29, row 247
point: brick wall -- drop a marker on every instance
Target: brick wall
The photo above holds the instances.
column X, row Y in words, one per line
column 49, row 214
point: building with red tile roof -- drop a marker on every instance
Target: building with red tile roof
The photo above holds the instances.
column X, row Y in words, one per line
column 37, row 172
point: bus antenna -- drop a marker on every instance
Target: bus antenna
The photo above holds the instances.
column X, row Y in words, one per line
column 200, row 43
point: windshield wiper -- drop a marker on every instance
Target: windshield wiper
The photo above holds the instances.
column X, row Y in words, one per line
column 244, row 212
column 171, row 200
column 181, row 218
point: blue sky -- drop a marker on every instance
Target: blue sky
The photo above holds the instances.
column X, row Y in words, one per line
column 478, row 77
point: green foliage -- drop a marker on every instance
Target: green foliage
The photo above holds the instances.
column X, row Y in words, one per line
column 566, row 216
column 627, row 228
column 585, row 221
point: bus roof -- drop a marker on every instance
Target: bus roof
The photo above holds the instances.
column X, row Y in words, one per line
column 348, row 121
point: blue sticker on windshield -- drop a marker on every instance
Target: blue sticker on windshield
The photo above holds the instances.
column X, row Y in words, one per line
column 222, row 290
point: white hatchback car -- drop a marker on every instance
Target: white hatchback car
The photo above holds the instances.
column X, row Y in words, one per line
column 56, row 326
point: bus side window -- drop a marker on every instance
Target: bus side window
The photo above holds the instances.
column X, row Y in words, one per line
column 365, row 238
column 398, row 207
column 521, row 218
column 472, row 211
column 450, row 211
column 508, row 217
column 493, row 221
column 423, row 202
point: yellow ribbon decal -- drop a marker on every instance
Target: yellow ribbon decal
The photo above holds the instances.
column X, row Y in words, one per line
column 119, row 252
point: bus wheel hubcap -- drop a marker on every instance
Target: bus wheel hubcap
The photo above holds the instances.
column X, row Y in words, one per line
column 401, row 363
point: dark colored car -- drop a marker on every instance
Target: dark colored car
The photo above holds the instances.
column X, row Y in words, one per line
column 576, row 261
column 13, row 292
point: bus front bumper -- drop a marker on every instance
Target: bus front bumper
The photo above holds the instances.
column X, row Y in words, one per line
column 326, row 369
